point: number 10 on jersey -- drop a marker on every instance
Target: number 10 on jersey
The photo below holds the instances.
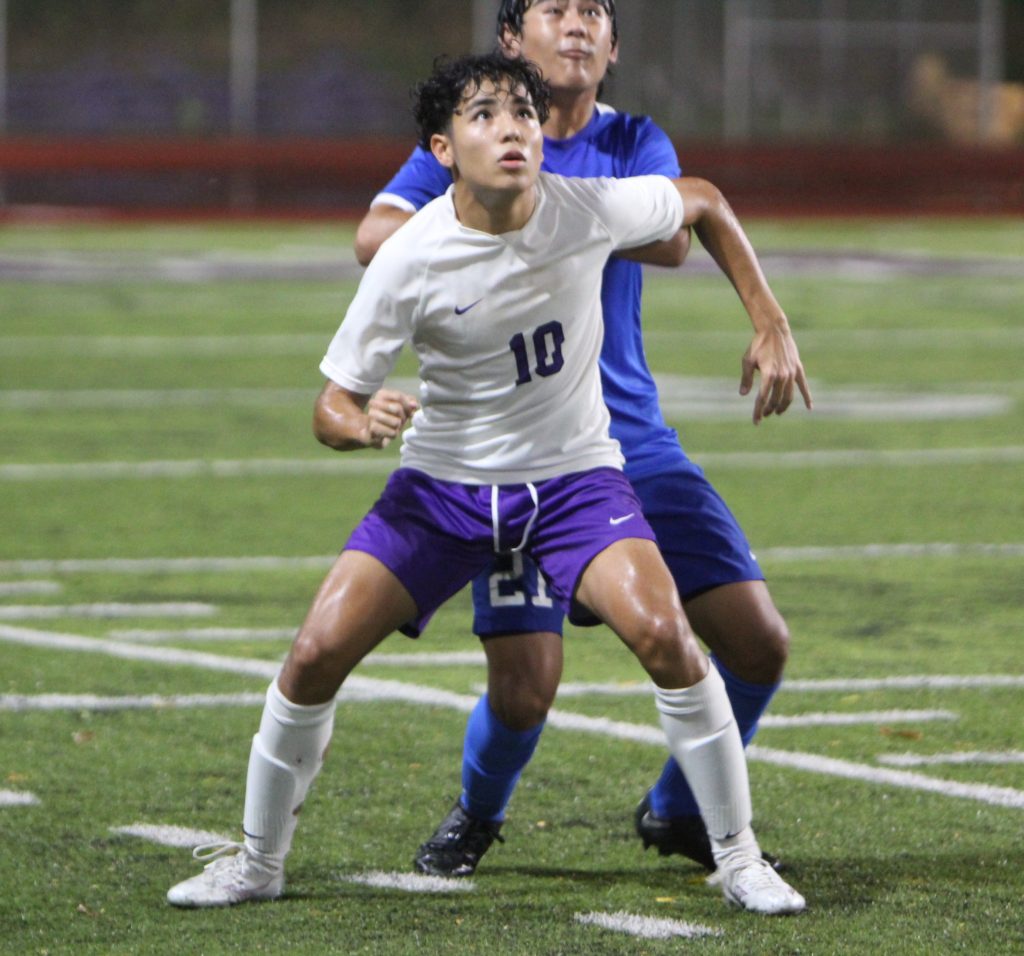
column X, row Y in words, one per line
column 547, row 342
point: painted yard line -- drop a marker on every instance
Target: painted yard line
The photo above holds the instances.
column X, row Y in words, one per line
column 165, row 346
column 916, row 682
column 177, row 469
column 679, row 399
column 195, row 468
column 171, row 835
column 145, row 636
column 377, row 658
column 858, row 717
column 371, row 689
column 312, row 343
column 997, row 757
column 18, row 798
column 646, row 927
column 39, row 612
column 411, row 882
column 232, row 565
column 19, row 588
column 90, row 702
column 924, row 681
column 168, row 565
column 861, row 552
column 998, row 796
column 121, row 399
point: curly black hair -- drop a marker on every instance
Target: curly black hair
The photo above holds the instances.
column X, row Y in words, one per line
column 510, row 14
column 453, row 80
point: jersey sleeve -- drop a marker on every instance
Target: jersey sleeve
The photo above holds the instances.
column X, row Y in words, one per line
column 420, row 179
column 376, row 326
column 653, row 153
column 639, row 209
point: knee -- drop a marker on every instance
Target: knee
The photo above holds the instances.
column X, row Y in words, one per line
column 522, row 690
column 763, row 656
column 665, row 646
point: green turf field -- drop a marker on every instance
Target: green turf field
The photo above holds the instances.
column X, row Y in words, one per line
column 166, row 516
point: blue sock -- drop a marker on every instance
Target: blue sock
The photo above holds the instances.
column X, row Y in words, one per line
column 671, row 795
column 493, row 757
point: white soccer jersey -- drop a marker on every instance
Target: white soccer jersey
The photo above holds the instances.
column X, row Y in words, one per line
column 507, row 329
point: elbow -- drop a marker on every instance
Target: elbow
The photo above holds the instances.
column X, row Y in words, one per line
column 366, row 246
column 680, row 247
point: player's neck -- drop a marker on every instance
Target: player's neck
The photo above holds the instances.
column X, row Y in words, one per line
column 492, row 211
column 570, row 112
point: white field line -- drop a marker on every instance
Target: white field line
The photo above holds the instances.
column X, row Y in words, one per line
column 48, row 612
column 313, row 343
column 370, row 689
column 999, row 796
column 18, row 798
column 21, row 588
column 969, row 757
column 157, row 636
column 175, row 469
column 646, row 927
column 171, row 835
column 232, row 565
column 828, row 684
column 411, row 882
column 21, row 703
column 858, row 717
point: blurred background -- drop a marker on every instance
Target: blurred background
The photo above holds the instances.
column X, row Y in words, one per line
column 256, row 106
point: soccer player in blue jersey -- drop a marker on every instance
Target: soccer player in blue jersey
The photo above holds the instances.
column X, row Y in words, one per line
column 726, row 600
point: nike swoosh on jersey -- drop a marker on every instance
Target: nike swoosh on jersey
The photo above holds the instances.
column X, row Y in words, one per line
column 466, row 308
column 623, row 518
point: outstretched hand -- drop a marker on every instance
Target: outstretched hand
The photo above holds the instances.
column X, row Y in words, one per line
column 774, row 354
column 387, row 412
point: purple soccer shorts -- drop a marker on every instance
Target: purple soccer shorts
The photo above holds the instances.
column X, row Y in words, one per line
column 436, row 536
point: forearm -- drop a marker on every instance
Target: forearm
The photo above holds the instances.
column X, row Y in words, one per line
column 340, row 420
column 721, row 234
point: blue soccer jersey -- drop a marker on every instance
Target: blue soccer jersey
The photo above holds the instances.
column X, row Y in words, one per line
column 612, row 144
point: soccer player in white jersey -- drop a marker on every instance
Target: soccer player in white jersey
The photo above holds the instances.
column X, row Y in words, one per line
column 496, row 286
column 725, row 596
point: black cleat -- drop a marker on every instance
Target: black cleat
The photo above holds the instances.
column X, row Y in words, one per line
column 686, row 836
column 457, row 845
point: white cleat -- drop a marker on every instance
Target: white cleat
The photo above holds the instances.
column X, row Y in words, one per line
column 750, row 882
column 228, row 880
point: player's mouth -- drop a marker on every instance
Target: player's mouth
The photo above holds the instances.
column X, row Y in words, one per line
column 513, row 159
column 574, row 53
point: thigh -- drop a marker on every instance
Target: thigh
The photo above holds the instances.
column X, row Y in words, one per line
column 629, row 587
column 358, row 604
column 741, row 624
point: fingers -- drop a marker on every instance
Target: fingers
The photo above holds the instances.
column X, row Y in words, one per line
column 388, row 412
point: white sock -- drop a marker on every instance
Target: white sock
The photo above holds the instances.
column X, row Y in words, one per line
column 286, row 756
column 702, row 736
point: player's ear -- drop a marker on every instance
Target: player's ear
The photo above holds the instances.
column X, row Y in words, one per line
column 441, row 147
column 511, row 45
column 613, row 56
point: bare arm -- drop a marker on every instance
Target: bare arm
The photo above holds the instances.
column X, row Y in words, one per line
column 669, row 252
column 773, row 351
column 377, row 225
column 345, row 420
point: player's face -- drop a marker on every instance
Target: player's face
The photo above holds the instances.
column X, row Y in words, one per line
column 495, row 141
column 570, row 40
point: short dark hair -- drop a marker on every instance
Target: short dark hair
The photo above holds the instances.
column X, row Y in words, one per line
column 438, row 97
column 511, row 12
